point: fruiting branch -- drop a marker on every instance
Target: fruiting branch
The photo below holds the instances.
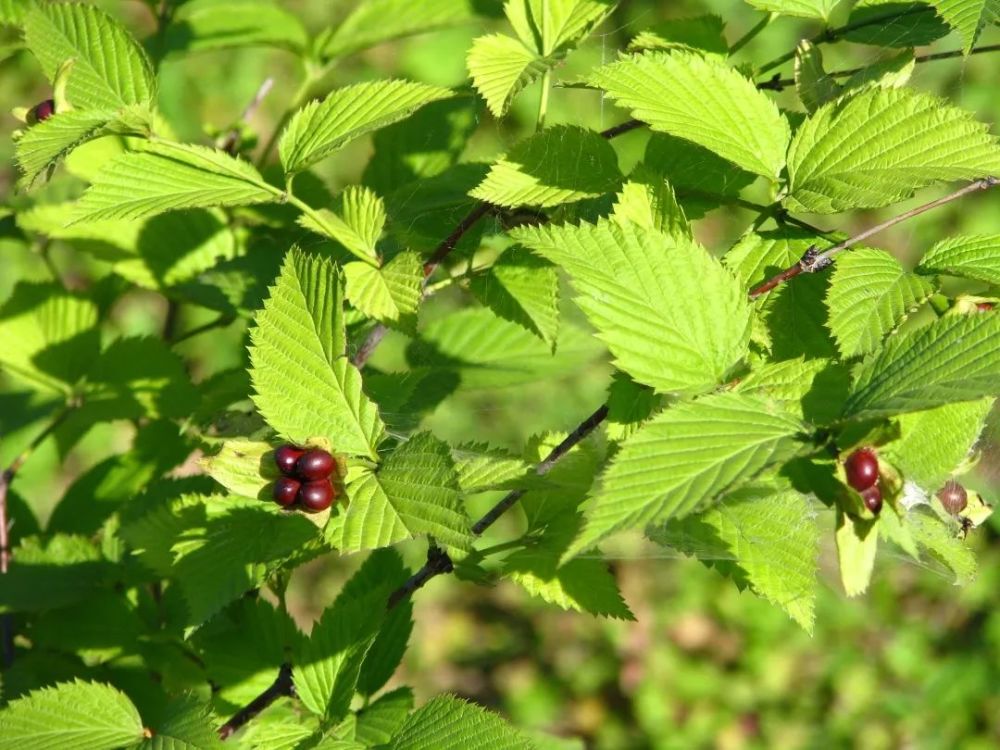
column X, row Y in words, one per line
column 813, row 260
column 281, row 687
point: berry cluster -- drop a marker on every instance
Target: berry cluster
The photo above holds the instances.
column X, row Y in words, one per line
column 861, row 468
column 306, row 479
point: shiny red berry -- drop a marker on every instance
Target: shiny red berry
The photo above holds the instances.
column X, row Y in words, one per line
column 953, row 497
column 313, row 465
column 984, row 306
column 42, row 111
column 873, row 498
column 285, row 491
column 316, row 496
column 861, row 468
column 285, row 458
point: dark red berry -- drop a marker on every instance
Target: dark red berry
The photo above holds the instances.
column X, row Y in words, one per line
column 953, row 497
column 862, row 469
column 42, row 111
column 984, row 306
column 313, row 465
column 285, row 491
column 873, row 498
column 316, row 496
column 285, row 458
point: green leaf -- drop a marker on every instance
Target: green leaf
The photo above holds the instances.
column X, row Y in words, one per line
column 701, row 100
column 656, row 475
column 244, row 467
column 327, row 664
column 629, row 405
column 523, row 289
column 383, row 569
column 165, row 176
column 481, row 468
column 970, row 257
column 769, row 540
column 56, row 572
column 559, row 165
column 43, row 145
column 553, row 26
column 702, row 33
column 12, row 12
column 878, row 146
column 378, row 21
column 321, row 128
column 485, row 351
column 802, row 8
column 584, row 585
column 870, row 295
column 968, row 17
column 449, row 723
column 202, row 25
column 647, row 199
column 935, row 442
column 891, row 23
column 299, row 343
column 48, row 337
column 110, row 69
column 70, row 716
column 952, row 359
column 671, row 315
column 378, row 722
column 813, row 389
column 857, row 543
column 501, row 67
column 813, row 84
column 414, row 492
column 233, row 550
column 940, row 541
column 187, row 724
column 700, row 179
column 390, row 294
column 357, row 222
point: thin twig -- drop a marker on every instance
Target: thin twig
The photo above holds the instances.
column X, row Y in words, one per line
column 777, row 84
column 623, row 127
column 6, row 478
column 814, row 261
column 745, row 39
column 438, row 561
column 222, row 321
column 231, row 142
column 281, row 687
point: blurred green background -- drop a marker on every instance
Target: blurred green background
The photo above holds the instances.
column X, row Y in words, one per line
column 914, row 664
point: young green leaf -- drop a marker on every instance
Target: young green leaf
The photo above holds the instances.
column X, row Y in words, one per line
column 320, row 128
column 299, row 342
column 671, row 315
column 686, row 455
column 952, row 359
column 414, row 492
column 357, row 222
column 523, row 289
column 110, row 69
column 561, row 164
column 501, row 67
column 974, row 257
column 870, row 295
column 201, row 25
column 553, row 26
column 70, row 716
column 703, row 34
column 939, row 540
column 244, row 467
column 390, row 294
column 701, row 100
column 857, row 543
column 165, row 176
column 767, row 540
column 648, row 199
column 449, row 723
column 378, row 21
column 813, row 84
column 878, row 146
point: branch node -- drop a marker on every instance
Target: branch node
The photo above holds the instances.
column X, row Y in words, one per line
column 813, row 260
